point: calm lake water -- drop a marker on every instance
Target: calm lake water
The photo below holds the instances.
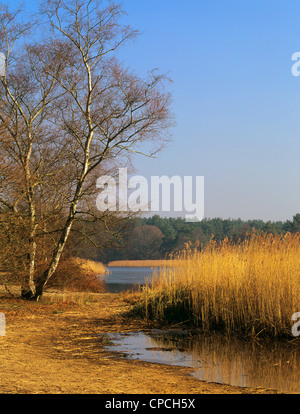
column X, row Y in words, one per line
column 218, row 359
column 123, row 278
column 213, row 358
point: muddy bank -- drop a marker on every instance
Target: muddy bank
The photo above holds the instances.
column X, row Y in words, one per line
column 58, row 348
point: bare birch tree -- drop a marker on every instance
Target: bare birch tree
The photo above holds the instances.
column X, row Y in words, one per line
column 69, row 111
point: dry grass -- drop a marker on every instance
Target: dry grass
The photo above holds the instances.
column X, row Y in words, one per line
column 73, row 274
column 56, row 296
column 78, row 298
column 252, row 287
column 79, row 275
column 96, row 267
column 140, row 263
column 57, row 348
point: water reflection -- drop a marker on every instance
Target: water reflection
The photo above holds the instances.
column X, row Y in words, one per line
column 120, row 279
column 218, row 359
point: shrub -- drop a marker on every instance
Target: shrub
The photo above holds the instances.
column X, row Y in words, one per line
column 78, row 275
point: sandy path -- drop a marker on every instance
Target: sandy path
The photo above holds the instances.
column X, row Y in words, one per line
column 54, row 349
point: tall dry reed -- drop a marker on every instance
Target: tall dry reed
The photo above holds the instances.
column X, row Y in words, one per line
column 251, row 287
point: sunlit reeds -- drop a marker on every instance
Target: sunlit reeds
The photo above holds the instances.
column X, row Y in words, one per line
column 251, row 287
column 96, row 267
column 79, row 275
column 139, row 263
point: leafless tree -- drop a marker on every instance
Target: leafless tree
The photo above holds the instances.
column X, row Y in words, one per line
column 70, row 111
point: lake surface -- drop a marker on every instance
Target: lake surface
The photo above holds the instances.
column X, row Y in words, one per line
column 215, row 358
column 126, row 278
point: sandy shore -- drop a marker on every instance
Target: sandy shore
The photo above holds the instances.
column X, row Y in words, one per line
column 57, row 348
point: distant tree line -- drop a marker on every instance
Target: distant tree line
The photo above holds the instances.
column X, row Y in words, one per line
column 157, row 237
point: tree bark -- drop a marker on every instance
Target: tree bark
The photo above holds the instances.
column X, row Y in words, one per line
column 43, row 279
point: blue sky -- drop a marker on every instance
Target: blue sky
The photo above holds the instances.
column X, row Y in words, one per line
column 236, row 103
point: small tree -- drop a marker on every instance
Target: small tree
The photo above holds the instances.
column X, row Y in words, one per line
column 296, row 224
column 70, row 112
column 145, row 242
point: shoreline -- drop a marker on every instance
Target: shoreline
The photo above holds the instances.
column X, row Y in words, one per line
column 140, row 263
column 58, row 348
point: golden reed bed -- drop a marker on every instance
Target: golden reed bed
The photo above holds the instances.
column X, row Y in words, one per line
column 251, row 287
